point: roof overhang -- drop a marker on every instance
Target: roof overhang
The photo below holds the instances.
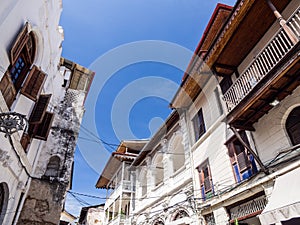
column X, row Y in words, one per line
column 193, row 82
column 248, row 23
column 153, row 142
column 126, row 151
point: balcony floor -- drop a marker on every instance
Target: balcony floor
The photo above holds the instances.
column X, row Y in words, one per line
column 279, row 83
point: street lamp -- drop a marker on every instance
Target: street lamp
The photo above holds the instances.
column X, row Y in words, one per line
column 12, row 122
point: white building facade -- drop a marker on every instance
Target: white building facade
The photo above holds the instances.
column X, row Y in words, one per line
column 92, row 215
column 35, row 82
column 243, row 123
column 230, row 151
column 30, row 51
column 116, row 178
column 163, row 178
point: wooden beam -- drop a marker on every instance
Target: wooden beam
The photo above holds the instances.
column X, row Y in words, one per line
column 242, row 126
column 224, row 66
column 256, row 157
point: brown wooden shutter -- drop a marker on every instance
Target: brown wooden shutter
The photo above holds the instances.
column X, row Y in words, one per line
column 39, row 109
column 25, row 141
column 231, row 153
column 201, row 175
column 33, row 83
column 196, row 127
column 243, row 161
column 207, row 178
column 8, row 90
column 80, row 80
column 19, row 44
column 75, row 79
column 43, row 128
column 201, row 123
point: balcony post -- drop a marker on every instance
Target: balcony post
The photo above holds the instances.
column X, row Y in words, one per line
column 121, row 194
column 282, row 23
column 122, row 175
column 107, row 215
column 114, row 211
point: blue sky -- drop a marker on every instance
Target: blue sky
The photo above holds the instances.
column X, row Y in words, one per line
column 138, row 50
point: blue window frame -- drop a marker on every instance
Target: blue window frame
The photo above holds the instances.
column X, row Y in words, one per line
column 243, row 163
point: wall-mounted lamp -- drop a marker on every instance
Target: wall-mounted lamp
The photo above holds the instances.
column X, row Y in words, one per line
column 274, row 102
column 12, row 122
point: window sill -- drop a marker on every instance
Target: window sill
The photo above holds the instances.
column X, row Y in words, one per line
column 143, row 196
column 158, row 186
column 177, row 172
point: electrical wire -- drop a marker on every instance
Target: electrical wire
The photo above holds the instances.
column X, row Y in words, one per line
column 94, row 137
column 81, row 201
column 105, row 198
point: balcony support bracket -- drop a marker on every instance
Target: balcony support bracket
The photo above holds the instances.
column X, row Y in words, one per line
column 257, row 159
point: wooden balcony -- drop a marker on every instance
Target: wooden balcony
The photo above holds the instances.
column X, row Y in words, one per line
column 272, row 74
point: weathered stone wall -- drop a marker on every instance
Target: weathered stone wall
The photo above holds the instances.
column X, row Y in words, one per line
column 43, row 203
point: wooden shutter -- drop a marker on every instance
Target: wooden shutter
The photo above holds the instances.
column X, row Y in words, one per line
column 81, row 79
column 8, row 90
column 207, row 178
column 201, row 123
column 43, row 128
column 33, row 84
column 243, row 161
column 19, row 44
column 39, row 109
column 75, row 79
column 25, row 141
column 231, row 153
column 196, row 127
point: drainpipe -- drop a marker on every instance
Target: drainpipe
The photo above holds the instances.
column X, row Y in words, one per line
column 257, row 159
column 283, row 23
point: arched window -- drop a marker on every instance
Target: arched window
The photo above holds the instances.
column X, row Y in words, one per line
column 22, row 60
column 22, row 56
column 181, row 214
column 3, row 200
column 158, row 169
column 53, row 167
column 293, row 126
column 158, row 222
column 178, row 153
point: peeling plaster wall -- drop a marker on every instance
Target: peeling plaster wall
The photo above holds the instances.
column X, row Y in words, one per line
column 95, row 216
column 43, row 205
column 61, row 142
column 43, row 17
column 271, row 136
column 38, row 206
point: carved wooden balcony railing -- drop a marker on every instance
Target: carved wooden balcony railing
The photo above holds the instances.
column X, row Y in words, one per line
column 275, row 50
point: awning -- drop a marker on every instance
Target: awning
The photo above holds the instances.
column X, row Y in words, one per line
column 284, row 203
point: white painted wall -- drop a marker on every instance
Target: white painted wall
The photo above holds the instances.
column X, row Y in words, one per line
column 211, row 145
column 44, row 19
column 174, row 184
column 95, row 216
column 270, row 136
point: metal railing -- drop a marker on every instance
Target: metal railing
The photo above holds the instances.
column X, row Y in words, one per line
column 247, row 208
column 266, row 60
